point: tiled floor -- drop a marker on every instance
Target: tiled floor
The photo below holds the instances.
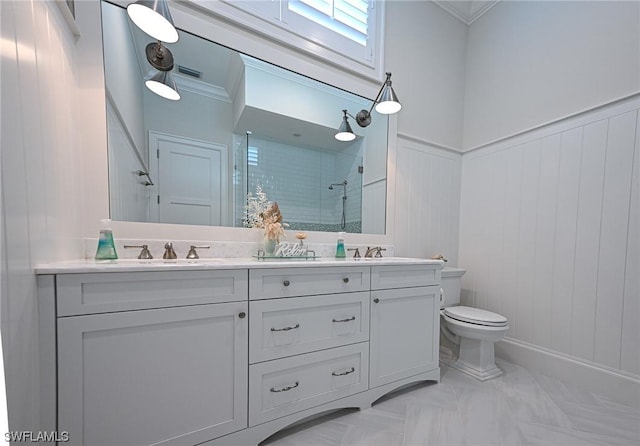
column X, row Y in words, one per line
column 517, row 408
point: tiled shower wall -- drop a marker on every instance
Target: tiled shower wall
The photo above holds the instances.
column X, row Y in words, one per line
column 298, row 179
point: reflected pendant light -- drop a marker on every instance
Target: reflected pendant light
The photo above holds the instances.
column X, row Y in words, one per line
column 345, row 133
column 163, row 84
column 154, row 18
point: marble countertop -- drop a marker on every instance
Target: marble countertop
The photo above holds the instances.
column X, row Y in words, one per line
column 132, row 265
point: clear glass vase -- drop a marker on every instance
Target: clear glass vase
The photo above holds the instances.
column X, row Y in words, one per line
column 269, row 246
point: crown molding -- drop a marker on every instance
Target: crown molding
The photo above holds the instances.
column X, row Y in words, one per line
column 466, row 11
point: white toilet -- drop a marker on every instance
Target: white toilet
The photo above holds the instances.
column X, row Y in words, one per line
column 469, row 332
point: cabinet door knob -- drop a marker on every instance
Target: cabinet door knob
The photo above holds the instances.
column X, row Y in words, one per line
column 286, row 283
column 345, row 280
column 242, row 315
column 376, row 300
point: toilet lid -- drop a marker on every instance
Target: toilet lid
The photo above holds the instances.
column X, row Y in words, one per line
column 476, row 316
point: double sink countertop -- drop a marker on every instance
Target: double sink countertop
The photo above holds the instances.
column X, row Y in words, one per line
column 132, row 265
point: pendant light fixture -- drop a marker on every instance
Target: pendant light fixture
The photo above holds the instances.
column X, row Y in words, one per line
column 154, row 18
column 386, row 103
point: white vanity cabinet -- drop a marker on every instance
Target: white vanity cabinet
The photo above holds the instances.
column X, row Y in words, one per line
column 214, row 355
column 405, row 322
column 174, row 374
column 309, row 338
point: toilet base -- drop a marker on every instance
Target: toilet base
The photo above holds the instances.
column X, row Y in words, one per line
column 477, row 358
column 480, row 375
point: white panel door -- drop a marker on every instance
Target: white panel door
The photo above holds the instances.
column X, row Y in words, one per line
column 191, row 180
column 170, row 376
column 405, row 328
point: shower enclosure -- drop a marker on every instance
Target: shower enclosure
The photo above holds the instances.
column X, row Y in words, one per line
column 298, row 179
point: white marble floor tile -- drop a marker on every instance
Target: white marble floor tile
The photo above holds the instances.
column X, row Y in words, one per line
column 541, row 434
column 517, row 408
column 527, row 399
column 358, row 436
column 432, row 426
column 599, row 419
column 487, row 418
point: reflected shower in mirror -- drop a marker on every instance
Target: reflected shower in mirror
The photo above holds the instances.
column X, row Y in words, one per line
column 241, row 123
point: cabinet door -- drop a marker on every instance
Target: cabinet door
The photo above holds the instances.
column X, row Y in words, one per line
column 164, row 376
column 405, row 326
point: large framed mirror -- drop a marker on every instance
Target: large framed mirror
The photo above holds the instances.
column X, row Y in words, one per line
column 241, row 125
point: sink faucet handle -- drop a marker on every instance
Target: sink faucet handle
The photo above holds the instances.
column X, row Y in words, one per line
column 169, row 253
column 379, row 250
column 145, row 254
column 356, row 254
column 193, row 254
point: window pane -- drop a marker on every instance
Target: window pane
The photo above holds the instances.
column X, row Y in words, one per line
column 324, row 6
column 345, row 17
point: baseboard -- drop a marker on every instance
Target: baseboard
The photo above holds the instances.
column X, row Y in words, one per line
column 616, row 385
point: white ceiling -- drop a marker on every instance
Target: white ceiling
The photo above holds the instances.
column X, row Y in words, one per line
column 467, row 11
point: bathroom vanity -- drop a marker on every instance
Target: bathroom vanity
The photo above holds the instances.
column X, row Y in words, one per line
column 228, row 351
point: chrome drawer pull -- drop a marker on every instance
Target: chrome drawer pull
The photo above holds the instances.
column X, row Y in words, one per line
column 349, row 319
column 286, row 283
column 345, row 280
column 348, row 372
column 285, row 389
column 286, row 328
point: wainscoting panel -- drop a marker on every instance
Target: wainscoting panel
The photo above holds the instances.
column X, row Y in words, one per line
column 427, row 200
column 549, row 234
column 41, row 175
column 128, row 196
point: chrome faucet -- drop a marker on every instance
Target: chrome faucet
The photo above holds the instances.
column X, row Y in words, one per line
column 376, row 251
column 356, row 254
column 145, row 254
column 169, row 253
column 193, row 254
column 370, row 251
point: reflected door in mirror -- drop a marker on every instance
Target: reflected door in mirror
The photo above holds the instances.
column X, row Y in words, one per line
column 190, row 180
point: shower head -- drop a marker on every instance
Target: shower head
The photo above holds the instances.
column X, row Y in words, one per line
column 344, row 183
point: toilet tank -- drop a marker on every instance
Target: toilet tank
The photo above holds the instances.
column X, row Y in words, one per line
column 450, row 284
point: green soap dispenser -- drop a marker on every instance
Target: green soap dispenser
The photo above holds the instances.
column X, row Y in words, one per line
column 340, row 252
column 106, row 246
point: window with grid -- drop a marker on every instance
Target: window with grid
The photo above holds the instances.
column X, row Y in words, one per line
column 337, row 30
column 345, row 17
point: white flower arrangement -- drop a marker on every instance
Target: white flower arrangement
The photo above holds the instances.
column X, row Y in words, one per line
column 255, row 208
column 261, row 213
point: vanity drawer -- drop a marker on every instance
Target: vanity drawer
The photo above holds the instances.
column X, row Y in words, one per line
column 109, row 292
column 285, row 386
column 286, row 327
column 304, row 281
column 405, row 276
